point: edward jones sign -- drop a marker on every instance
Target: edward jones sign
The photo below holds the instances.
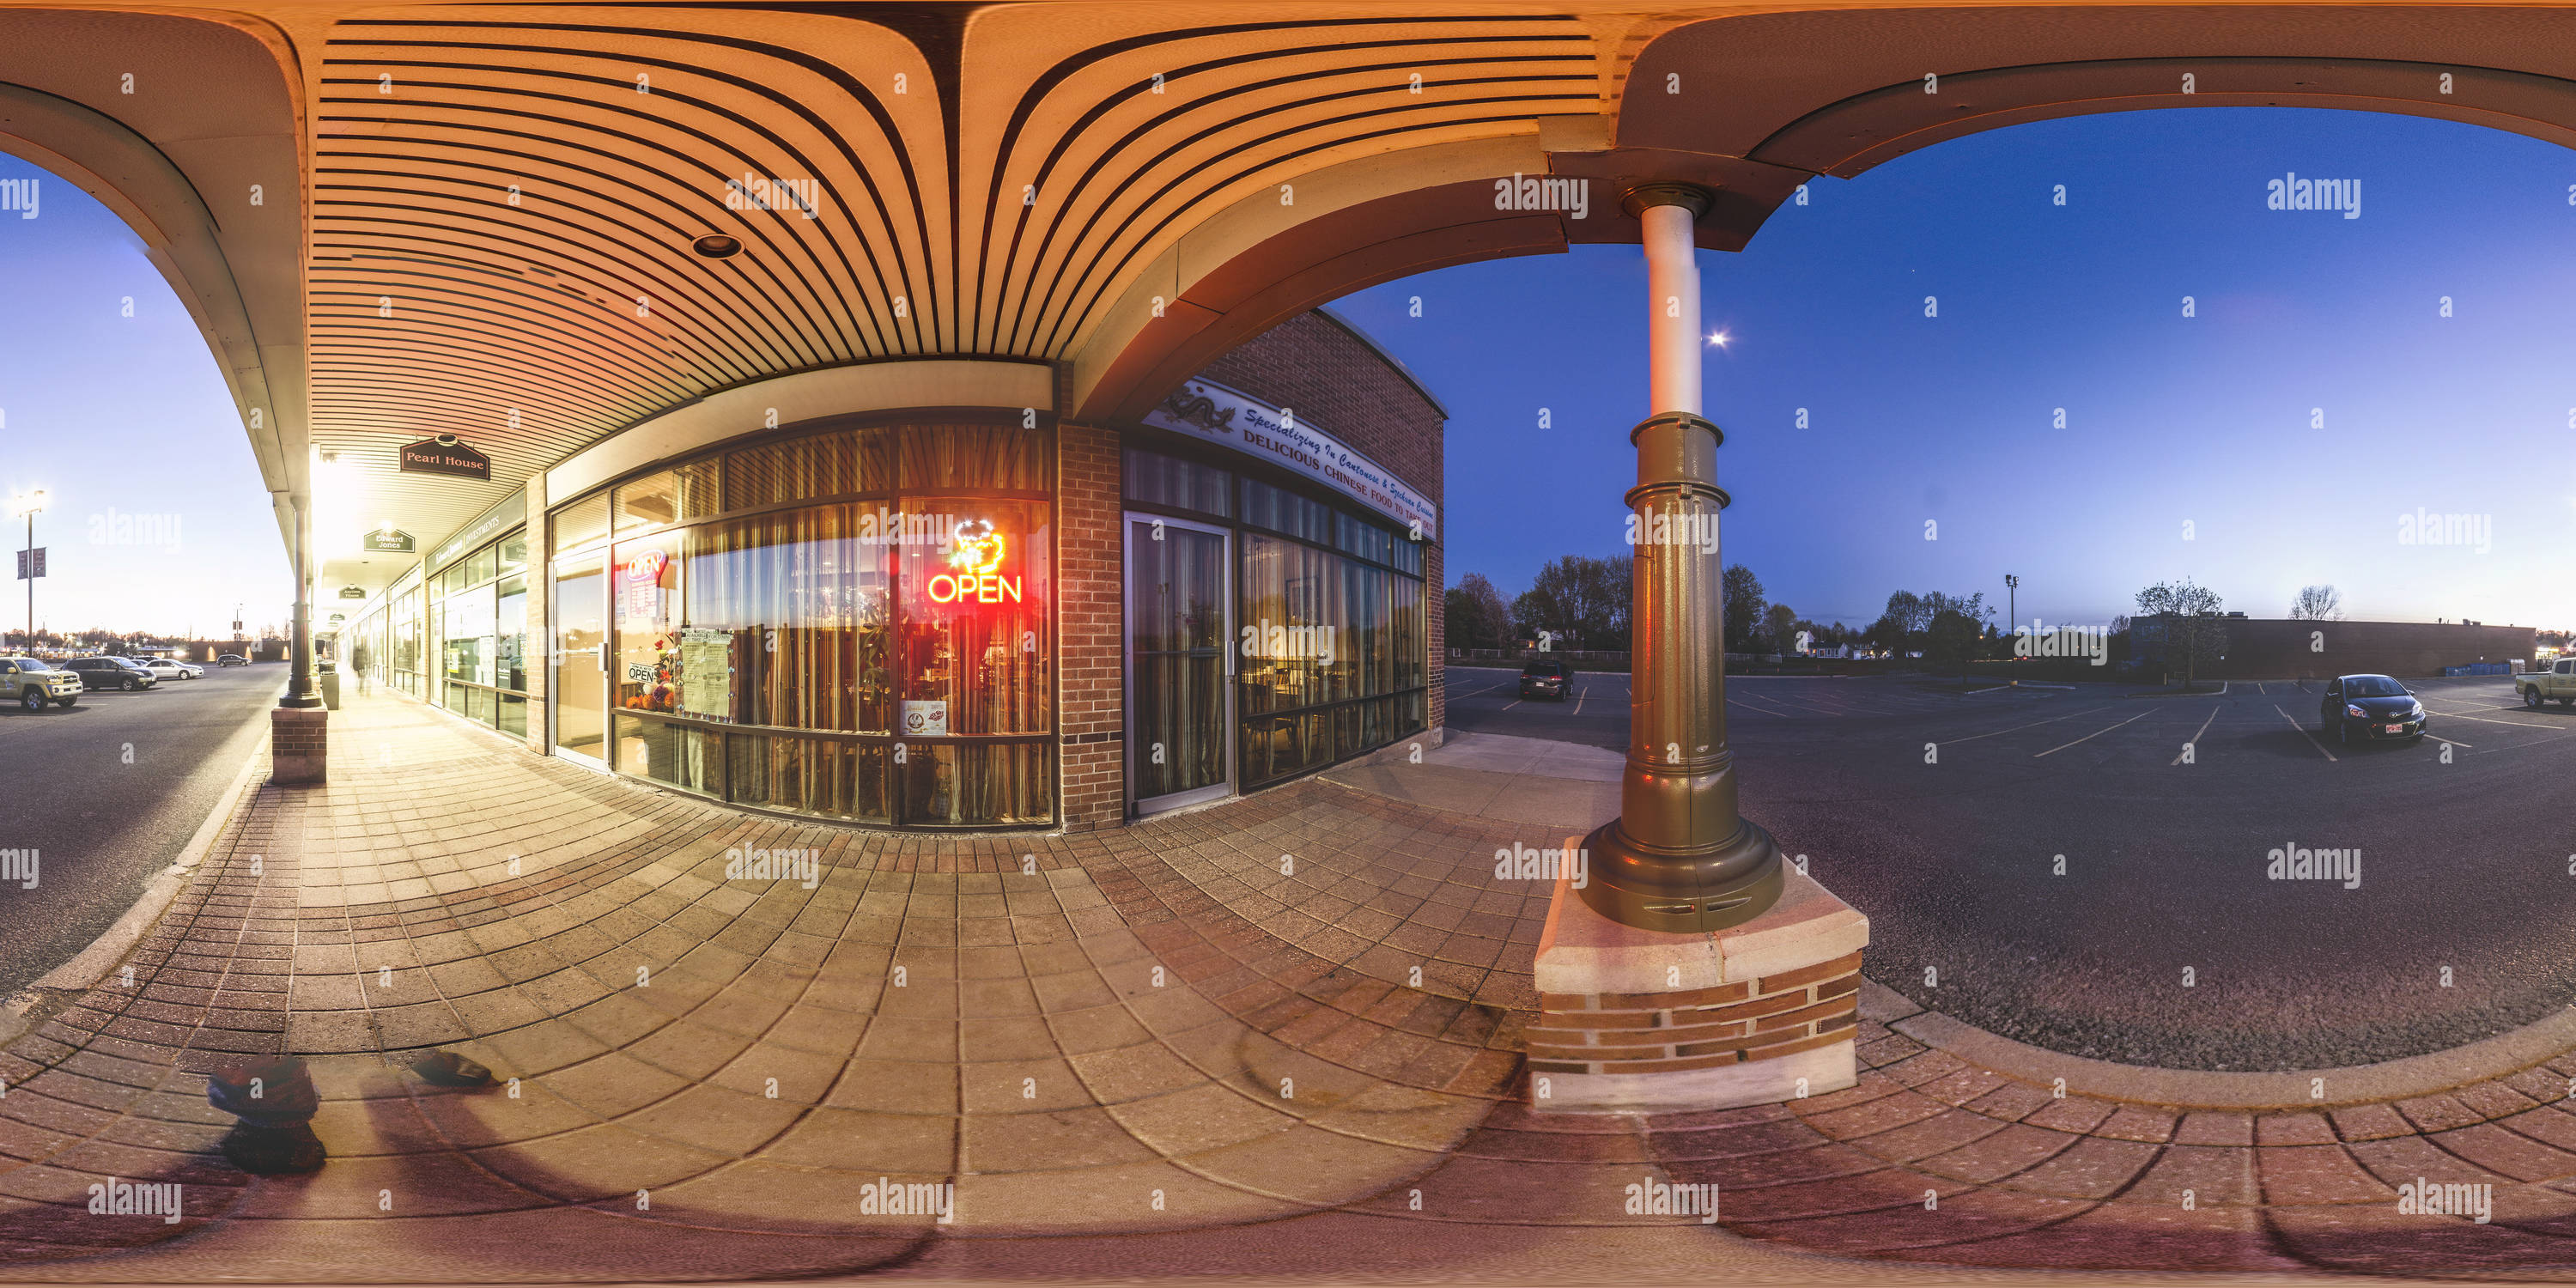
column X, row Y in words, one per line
column 1205, row 409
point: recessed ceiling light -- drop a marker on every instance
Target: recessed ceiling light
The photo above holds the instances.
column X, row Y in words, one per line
column 717, row 246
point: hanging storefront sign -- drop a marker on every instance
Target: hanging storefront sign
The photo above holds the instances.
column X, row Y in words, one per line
column 445, row 455
column 1206, row 410
column 388, row 541
column 353, row 592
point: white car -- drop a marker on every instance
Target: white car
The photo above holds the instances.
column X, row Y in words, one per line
column 167, row 669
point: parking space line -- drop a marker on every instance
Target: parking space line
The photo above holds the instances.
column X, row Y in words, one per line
column 2524, row 724
column 1747, row 702
column 2303, row 732
column 2452, row 742
column 1579, row 696
column 2090, row 736
column 2194, row 742
column 2018, row 728
column 1513, row 703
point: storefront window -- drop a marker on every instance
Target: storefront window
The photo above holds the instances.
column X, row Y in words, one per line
column 1329, row 615
column 481, row 627
column 818, row 658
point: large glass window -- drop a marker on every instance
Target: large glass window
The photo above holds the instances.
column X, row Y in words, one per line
column 481, row 629
column 1332, row 639
column 856, row 624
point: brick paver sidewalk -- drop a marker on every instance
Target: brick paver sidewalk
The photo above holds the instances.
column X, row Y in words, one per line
column 1281, row 1037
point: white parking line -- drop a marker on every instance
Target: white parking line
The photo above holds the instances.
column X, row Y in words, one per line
column 2090, row 736
column 1579, row 696
column 2187, row 748
column 2018, row 728
column 2303, row 732
column 2454, row 715
column 1513, row 703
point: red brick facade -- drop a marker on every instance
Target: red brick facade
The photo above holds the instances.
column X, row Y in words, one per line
column 1764, row 1019
column 1090, row 627
column 1335, row 381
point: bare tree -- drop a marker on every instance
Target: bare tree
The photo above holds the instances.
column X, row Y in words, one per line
column 2318, row 604
column 2186, row 614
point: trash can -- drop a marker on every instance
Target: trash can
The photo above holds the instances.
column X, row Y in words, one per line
column 329, row 680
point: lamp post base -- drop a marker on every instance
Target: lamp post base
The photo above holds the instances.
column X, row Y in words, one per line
column 1644, row 1021
column 1678, row 891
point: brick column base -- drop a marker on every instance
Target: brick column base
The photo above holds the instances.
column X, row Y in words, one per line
column 1635, row 1021
column 299, row 738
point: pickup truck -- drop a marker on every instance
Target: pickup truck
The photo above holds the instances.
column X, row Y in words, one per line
column 2559, row 682
column 31, row 684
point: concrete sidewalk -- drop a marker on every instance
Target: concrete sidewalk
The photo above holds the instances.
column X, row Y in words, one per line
column 1195, row 1048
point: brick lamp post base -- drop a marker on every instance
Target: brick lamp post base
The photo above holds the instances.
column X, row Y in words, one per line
column 1645, row 1021
column 298, row 743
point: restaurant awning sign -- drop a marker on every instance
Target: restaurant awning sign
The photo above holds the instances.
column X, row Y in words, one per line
column 1206, row 410
column 353, row 592
column 388, row 541
column 445, row 455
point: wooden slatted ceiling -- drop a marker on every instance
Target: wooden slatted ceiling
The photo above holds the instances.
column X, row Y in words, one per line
column 987, row 190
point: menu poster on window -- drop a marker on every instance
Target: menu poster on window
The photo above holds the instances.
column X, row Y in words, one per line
column 706, row 672
column 925, row 719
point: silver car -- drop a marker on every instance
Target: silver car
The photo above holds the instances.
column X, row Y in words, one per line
column 167, row 669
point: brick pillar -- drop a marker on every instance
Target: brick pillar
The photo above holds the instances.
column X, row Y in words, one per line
column 1090, row 628
column 299, row 740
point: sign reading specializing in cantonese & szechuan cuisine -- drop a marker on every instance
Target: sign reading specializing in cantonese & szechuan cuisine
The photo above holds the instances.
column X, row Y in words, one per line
column 1205, row 409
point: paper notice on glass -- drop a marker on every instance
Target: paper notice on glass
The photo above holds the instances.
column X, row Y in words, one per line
column 925, row 719
column 706, row 673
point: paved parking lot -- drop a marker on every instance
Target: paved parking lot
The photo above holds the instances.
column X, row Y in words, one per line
column 107, row 792
column 1943, row 814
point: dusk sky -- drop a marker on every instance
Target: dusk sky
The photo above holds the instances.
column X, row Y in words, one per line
column 2169, row 420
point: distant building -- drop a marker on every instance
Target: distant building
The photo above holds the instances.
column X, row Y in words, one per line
column 2260, row 648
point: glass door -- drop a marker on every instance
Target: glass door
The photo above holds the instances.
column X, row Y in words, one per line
column 580, row 686
column 1180, row 663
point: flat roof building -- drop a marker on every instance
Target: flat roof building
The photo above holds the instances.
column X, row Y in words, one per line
column 909, row 594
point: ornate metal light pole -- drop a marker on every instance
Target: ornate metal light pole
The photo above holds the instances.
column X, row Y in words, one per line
column 1678, row 858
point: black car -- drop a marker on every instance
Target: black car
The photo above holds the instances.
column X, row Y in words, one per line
column 2363, row 708
column 1546, row 680
column 110, row 673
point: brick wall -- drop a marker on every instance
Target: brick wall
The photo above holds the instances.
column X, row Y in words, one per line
column 1761, row 1019
column 1342, row 385
column 2260, row 648
column 1090, row 627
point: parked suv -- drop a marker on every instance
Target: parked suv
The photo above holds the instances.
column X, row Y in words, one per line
column 1546, row 680
column 111, row 673
column 31, row 684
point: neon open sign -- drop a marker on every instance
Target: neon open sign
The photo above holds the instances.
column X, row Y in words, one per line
column 978, row 559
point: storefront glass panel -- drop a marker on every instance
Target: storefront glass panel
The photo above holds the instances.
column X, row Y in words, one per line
column 850, row 645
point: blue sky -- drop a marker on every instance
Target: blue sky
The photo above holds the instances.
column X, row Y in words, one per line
column 2169, row 420
column 121, row 417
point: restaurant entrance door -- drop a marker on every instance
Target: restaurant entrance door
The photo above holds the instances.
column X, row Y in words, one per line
column 1180, row 666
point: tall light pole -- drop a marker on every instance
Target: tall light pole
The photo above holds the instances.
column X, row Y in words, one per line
column 2012, row 615
column 28, row 503
column 1679, row 858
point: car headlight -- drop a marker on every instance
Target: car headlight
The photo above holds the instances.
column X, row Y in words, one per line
column 2356, row 713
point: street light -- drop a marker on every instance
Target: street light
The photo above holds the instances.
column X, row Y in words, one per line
column 27, row 503
column 2012, row 614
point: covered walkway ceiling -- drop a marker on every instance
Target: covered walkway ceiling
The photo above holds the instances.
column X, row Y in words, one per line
column 498, row 202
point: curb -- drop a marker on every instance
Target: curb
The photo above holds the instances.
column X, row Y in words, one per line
column 111, row 948
column 2400, row 1079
